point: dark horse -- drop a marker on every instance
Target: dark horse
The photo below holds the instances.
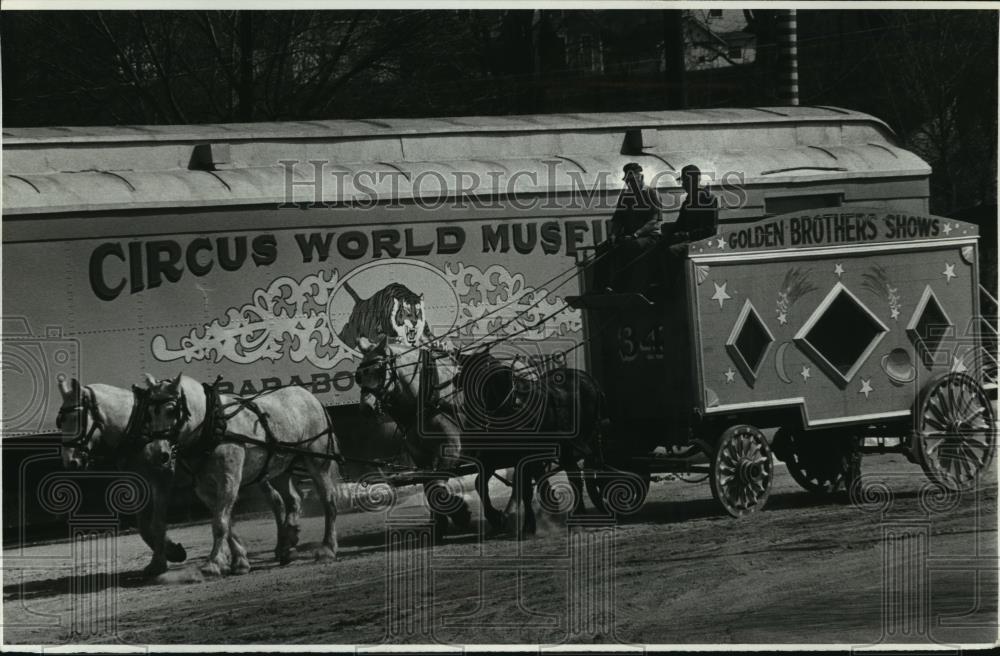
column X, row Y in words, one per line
column 420, row 390
column 563, row 404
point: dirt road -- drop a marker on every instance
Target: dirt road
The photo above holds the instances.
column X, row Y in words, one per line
column 802, row 571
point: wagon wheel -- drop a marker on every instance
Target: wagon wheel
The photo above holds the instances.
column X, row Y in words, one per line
column 819, row 464
column 615, row 491
column 742, row 470
column 955, row 436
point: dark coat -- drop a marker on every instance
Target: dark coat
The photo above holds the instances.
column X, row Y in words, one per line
column 698, row 218
column 635, row 211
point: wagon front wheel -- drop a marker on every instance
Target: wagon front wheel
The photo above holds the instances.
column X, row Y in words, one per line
column 742, row 470
column 955, row 435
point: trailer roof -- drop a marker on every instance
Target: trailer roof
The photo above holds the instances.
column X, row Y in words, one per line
column 369, row 128
column 71, row 169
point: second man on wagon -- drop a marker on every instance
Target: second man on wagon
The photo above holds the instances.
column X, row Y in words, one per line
column 637, row 228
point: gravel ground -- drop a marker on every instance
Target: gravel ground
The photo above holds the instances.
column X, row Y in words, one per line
column 678, row 571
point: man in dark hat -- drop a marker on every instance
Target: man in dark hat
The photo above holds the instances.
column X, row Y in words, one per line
column 638, row 211
column 634, row 229
column 699, row 214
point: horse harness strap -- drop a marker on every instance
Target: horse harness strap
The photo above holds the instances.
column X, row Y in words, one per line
column 214, row 431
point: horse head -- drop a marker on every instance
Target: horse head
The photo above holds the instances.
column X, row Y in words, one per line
column 376, row 373
column 174, row 409
column 77, row 424
column 94, row 420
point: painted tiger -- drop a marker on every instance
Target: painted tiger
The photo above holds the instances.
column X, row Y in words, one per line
column 394, row 310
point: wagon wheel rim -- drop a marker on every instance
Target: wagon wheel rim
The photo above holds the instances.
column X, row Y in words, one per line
column 956, row 437
column 742, row 471
column 817, row 468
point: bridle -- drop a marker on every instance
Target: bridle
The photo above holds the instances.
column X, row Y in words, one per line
column 387, row 380
column 81, row 443
column 173, row 432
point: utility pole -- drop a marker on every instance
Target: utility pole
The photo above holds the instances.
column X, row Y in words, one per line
column 673, row 54
column 788, row 57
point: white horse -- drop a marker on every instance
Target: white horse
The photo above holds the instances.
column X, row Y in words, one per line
column 105, row 422
column 225, row 439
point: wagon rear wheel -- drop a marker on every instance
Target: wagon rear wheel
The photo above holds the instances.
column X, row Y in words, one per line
column 742, row 470
column 818, row 463
column 955, row 435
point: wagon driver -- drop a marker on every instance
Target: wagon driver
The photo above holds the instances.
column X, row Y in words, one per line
column 699, row 214
column 634, row 227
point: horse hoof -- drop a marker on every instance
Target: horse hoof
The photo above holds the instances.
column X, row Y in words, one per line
column 176, row 553
column 293, row 536
column 241, row 567
column 285, row 557
column 211, row 570
column 325, row 555
column 462, row 519
column 153, row 570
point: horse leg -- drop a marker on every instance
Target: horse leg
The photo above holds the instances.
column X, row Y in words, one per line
column 437, row 493
column 462, row 518
column 240, row 564
column 527, row 493
column 293, row 509
column 238, row 561
column 277, row 504
column 205, row 488
column 325, row 474
column 218, row 490
column 575, row 477
column 493, row 516
column 155, row 530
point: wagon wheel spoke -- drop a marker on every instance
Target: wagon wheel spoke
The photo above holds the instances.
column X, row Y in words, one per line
column 939, row 416
column 968, row 405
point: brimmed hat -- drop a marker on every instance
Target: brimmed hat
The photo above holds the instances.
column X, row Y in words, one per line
column 632, row 167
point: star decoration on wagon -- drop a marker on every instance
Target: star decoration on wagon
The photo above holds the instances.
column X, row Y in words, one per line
column 806, row 373
column 866, row 387
column 730, row 375
column 949, row 272
column 721, row 243
column 720, row 293
column 946, row 228
column 838, row 269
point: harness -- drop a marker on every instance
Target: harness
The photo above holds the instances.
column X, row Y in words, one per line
column 214, row 431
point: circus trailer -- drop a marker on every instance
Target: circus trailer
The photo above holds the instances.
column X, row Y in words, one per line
column 258, row 254
column 847, row 330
